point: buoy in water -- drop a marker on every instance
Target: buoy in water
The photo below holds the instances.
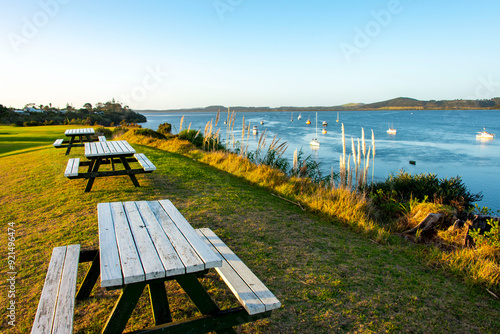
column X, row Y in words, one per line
column 413, row 162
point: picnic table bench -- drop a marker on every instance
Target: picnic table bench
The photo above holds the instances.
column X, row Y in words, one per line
column 147, row 243
column 56, row 307
column 105, row 153
column 84, row 135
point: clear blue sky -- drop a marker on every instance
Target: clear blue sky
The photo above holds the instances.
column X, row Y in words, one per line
column 164, row 54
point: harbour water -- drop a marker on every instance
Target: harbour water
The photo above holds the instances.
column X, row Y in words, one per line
column 442, row 142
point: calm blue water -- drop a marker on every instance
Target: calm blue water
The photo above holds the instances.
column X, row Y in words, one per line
column 440, row 142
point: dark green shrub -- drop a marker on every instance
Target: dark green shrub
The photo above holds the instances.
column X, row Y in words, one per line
column 102, row 131
column 404, row 187
column 149, row 133
column 193, row 136
column 165, row 128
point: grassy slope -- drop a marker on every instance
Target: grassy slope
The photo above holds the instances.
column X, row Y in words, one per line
column 14, row 140
column 327, row 278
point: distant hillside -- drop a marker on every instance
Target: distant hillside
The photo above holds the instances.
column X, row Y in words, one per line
column 408, row 103
column 400, row 103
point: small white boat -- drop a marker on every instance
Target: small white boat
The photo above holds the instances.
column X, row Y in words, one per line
column 255, row 130
column 299, row 117
column 314, row 142
column 324, row 123
column 391, row 130
column 485, row 135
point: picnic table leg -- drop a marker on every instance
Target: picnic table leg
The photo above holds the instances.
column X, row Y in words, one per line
column 95, row 164
column 71, row 141
column 159, row 303
column 123, row 309
column 90, row 279
column 200, row 297
column 127, row 167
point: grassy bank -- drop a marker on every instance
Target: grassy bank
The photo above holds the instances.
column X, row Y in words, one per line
column 328, row 278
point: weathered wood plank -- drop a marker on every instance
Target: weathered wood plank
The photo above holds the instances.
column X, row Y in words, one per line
column 267, row 298
column 46, row 306
column 153, row 267
column 129, row 257
column 146, row 164
column 186, row 253
column 111, row 273
column 208, row 256
column 72, row 167
column 171, row 261
column 245, row 295
column 65, row 309
column 128, row 147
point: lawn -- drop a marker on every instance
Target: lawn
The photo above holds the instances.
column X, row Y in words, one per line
column 328, row 278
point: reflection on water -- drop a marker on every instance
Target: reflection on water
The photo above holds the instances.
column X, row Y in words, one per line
column 440, row 142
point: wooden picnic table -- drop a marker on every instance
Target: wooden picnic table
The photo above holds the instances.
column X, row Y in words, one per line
column 83, row 134
column 108, row 152
column 149, row 242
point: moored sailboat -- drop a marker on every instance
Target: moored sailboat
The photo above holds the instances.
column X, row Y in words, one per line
column 391, row 130
column 314, row 142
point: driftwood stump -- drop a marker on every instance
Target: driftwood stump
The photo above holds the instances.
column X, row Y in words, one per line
column 427, row 225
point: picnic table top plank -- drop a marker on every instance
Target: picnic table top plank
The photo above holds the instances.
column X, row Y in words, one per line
column 105, row 148
column 129, row 257
column 108, row 148
column 152, row 265
column 171, row 261
column 187, row 254
column 111, row 273
column 79, row 132
column 112, row 148
column 209, row 257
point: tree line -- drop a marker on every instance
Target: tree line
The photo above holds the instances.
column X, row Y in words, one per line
column 106, row 114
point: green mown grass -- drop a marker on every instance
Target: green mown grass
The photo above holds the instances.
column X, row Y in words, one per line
column 328, row 278
column 15, row 140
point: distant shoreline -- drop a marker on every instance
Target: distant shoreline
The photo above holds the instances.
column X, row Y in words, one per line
column 400, row 103
column 305, row 109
